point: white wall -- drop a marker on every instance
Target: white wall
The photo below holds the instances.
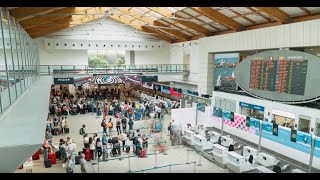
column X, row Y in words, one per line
column 158, row 56
column 63, row 57
column 269, row 105
column 302, row 34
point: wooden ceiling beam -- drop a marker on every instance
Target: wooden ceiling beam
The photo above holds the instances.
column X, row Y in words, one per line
column 243, row 16
column 142, row 28
column 54, row 15
column 64, row 20
column 21, row 12
column 137, row 15
column 65, row 26
column 307, row 17
column 276, row 13
column 188, row 24
column 219, row 17
column 257, row 12
column 305, row 10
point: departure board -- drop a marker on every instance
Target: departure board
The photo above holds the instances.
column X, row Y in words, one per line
column 282, row 76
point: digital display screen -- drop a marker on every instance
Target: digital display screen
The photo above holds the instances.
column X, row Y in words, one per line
column 282, row 76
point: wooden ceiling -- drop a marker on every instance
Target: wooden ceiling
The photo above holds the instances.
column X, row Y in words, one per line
column 172, row 24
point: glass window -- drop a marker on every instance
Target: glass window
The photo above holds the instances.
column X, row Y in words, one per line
column 13, row 69
column 5, row 62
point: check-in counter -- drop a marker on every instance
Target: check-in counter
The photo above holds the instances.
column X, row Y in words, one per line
column 262, row 169
column 237, row 163
column 220, row 154
column 214, row 137
column 266, row 160
column 298, row 171
column 247, row 151
column 201, row 143
column 226, row 141
column 188, row 136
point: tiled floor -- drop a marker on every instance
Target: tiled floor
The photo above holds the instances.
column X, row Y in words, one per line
column 175, row 155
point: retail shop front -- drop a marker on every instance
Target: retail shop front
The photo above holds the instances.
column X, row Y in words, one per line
column 252, row 110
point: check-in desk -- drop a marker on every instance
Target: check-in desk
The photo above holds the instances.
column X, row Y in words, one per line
column 220, row 154
column 214, row 137
column 226, row 141
column 188, row 137
column 262, row 169
column 247, row 151
column 237, row 163
column 266, row 160
column 201, row 143
column 298, row 171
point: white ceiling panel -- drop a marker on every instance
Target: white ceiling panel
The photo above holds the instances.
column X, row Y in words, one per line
column 209, row 28
column 292, row 11
column 205, row 19
column 187, row 33
column 184, row 15
column 190, row 11
column 227, row 12
column 257, row 18
column 240, row 10
column 243, row 21
column 313, row 9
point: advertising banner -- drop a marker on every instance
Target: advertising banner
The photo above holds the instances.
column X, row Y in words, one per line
column 63, row 80
column 304, row 138
column 201, row 107
column 255, row 123
column 275, row 129
column 267, row 127
column 293, row 135
column 248, row 121
column 224, row 67
column 217, row 112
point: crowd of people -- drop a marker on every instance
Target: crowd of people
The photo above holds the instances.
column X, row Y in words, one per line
column 104, row 103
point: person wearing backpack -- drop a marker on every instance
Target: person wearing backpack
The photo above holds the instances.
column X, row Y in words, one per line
column 82, row 131
column 130, row 124
column 110, row 126
column 118, row 124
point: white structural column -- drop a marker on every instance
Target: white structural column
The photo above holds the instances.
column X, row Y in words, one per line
column 206, row 62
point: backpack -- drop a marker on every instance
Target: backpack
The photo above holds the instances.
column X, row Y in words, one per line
column 103, row 124
column 81, row 131
column 110, row 124
column 118, row 123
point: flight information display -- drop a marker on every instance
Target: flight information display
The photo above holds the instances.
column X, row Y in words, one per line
column 282, row 76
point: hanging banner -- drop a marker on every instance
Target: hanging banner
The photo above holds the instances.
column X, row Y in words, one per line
column 217, row 112
column 232, row 116
column 275, row 129
column 293, row 135
column 248, row 121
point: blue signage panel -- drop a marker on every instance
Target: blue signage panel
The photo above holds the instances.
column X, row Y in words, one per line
column 251, row 106
column 255, row 123
column 63, row 81
column 303, row 138
column 201, row 107
column 267, row 127
column 217, row 112
column 317, row 143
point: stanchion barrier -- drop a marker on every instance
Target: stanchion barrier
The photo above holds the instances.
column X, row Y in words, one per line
column 200, row 158
column 169, row 165
column 188, row 155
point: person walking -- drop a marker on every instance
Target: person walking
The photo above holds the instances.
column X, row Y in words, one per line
column 83, row 131
column 124, row 124
column 99, row 148
column 70, row 164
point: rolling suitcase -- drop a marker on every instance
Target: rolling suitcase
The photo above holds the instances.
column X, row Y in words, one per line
column 127, row 149
column 143, row 153
column 47, row 163
column 88, row 155
column 52, row 157
column 36, row 156
column 58, row 154
column 66, row 130
column 77, row 160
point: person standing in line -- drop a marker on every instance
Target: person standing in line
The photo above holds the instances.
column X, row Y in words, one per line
column 110, row 126
column 86, row 141
column 104, row 139
column 118, row 125
column 70, row 164
column 92, row 147
column 99, row 148
column 123, row 138
column 49, row 136
column 83, row 131
column 130, row 124
column 124, row 124
column 104, row 126
column 83, row 164
column 72, row 150
column 46, row 148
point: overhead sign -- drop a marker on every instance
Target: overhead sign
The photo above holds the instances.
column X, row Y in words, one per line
column 251, row 106
column 149, row 79
column 196, row 99
column 63, row 81
column 201, row 107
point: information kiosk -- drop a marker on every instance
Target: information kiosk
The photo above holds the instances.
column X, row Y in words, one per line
column 266, row 160
column 226, row 141
column 247, row 151
column 214, row 137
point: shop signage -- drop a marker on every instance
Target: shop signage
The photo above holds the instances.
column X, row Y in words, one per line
column 251, row 106
column 196, row 99
column 63, row 81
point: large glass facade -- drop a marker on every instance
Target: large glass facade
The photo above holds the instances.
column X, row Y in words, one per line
column 19, row 60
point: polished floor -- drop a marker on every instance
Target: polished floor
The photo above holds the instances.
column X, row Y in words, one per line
column 177, row 159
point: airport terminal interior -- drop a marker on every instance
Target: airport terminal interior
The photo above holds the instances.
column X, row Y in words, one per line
column 160, row 89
